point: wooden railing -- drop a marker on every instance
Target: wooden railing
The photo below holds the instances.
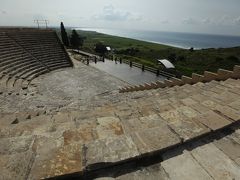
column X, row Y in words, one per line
column 130, row 63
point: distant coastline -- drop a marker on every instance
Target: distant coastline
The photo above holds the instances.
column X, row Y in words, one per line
column 174, row 39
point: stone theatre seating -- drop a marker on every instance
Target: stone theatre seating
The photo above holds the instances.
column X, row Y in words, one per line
column 26, row 54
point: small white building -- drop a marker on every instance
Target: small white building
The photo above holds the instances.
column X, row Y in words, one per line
column 108, row 48
column 166, row 63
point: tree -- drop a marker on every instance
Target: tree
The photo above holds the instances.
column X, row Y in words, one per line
column 191, row 49
column 100, row 48
column 172, row 57
column 76, row 40
column 64, row 35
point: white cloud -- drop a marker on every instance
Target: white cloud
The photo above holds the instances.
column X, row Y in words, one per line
column 225, row 20
column 189, row 21
column 237, row 21
column 207, row 21
column 110, row 13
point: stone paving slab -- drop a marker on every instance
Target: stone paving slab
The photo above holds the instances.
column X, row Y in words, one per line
column 187, row 111
column 200, row 108
column 213, row 120
column 53, row 158
column 186, row 127
column 84, row 133
column 7, row 119
column 172, row 116
column 230, row 147
column 215, row 162
column 228, row 112
column 235, row 105
column 155, row 139
column 183, row 167
column 104, row 152
column 40, row 125
column 15, row 144
column 153, row 172
column 16, row 166
column 189, row 129
column 141, row 123
column 235, row 136
column 108, row 126
column 188, row 101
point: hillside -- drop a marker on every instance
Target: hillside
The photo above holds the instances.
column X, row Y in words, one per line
column 186, row 61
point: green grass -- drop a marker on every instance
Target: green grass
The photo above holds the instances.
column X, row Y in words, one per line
column 146, row 53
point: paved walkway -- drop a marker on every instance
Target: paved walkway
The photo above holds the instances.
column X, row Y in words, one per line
column 132, row 75
column 122, row 71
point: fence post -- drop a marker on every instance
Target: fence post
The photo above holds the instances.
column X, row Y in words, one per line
column 120, row 60
column 130, row 63
column 143, row 67
column 87, row 61
column 95, row 59
column 158, row 72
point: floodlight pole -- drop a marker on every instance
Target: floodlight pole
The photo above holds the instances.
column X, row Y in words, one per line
column 46, row 22
column 38, row 22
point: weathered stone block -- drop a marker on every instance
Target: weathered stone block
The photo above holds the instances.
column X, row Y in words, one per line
column 15, row 145
column 230, row 148
column 209, row 76
column 187, row 80
column 228, row 112
column 217, row 164
column 104, row 152
column 197, row 78
column 16, row 166
column 155, row 139
column 187, row 111
column 224, row 74
column 57, row 161
column 213, row 121
column 183, row 167
column 108, row 126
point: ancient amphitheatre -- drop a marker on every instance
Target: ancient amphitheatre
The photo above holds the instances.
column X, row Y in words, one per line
column 62, row 119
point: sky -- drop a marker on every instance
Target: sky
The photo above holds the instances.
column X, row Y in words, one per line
column 195, row 16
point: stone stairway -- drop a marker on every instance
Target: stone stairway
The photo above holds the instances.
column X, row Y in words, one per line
column 206, row 77
column 136, row 125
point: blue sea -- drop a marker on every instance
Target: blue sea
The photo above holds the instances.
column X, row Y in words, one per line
column 176, row 39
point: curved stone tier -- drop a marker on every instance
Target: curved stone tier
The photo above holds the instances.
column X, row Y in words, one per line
column 26, row 54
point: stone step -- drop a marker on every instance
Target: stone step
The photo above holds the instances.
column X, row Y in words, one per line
column 183, row 166
column 215, row 162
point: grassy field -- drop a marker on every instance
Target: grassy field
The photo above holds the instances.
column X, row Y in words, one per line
column 186, row 61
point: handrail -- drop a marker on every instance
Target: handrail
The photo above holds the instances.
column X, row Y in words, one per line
column 138, row 65
column 64, row 49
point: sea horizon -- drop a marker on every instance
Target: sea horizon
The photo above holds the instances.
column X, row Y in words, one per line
column 184, row 40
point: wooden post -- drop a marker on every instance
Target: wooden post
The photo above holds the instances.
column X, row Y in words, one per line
column 95, row 59
column 158, row 72
column 143, row 67
column 130, row 63
column 120, row 60
column 87, row 61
